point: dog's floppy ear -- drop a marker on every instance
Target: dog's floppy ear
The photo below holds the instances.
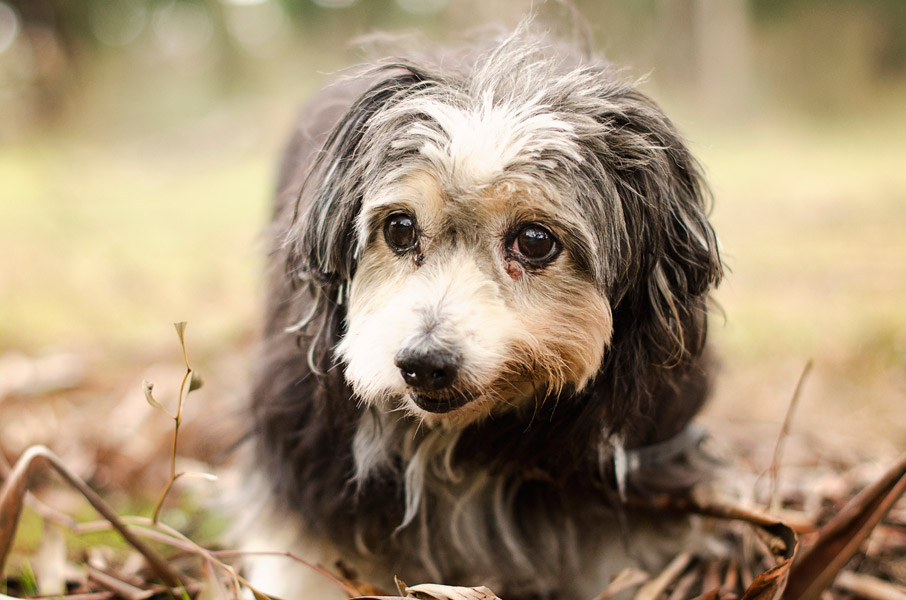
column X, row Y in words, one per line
column 669, row 260
column 322, row 239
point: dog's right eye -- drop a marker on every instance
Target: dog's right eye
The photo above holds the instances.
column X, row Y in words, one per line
column 400, row 232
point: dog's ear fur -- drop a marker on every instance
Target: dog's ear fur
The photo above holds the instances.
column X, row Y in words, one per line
column 669, row 262
column 322, row 238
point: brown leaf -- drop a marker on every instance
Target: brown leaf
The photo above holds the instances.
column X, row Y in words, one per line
column 771, row 584
column 433, row 591
column 841, row 537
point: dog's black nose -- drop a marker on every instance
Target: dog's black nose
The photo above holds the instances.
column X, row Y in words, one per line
column 427, row 371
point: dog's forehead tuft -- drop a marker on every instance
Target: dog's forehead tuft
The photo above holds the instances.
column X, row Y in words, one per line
column 476, row 144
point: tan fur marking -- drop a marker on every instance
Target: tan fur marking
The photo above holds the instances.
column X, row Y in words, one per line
column 520, row 331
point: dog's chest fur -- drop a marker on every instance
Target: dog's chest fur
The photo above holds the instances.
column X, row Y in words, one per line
column 462, row 507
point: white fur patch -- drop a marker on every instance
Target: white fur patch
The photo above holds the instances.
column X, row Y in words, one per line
column 460, row 305
column 481, row 142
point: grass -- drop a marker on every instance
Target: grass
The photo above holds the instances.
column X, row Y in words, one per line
column 811, row 216
column 90, row 236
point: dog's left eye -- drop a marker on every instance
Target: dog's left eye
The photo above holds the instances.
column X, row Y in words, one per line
column 534, row 244
column 400, row 232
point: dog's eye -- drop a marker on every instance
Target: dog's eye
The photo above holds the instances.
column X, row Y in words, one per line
column 535, row 244
column 400, row 233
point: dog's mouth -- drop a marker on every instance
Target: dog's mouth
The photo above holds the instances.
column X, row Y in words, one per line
column 440, row 404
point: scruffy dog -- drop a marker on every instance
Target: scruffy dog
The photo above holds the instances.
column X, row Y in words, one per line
column 485, row 328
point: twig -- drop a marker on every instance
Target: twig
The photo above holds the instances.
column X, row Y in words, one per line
column 117, row 586
column 193, row 383
column 167, row 534
column 781, row 437
column 627, row 579
column 868, row 586
column 683, row 586
column 11, row 499
column 656, row 586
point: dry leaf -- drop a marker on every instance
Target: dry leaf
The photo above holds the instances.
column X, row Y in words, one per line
column 147, row 387
column 839, row 540
column 433, row 591
column 771, row 584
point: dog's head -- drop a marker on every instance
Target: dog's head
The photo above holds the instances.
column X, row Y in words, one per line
column 494, row 237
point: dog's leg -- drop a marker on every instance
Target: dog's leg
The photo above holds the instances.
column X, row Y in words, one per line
column 270, row 534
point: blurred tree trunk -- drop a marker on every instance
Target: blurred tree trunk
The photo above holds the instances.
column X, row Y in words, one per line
column 722, row 53
column 705, row 47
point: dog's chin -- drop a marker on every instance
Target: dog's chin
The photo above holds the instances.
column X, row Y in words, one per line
column 464, row 407
column 440, row 404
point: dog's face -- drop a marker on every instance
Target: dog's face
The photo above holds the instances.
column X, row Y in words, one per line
column 469, row 296
column 483, row 235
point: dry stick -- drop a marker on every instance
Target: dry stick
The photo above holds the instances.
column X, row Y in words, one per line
column 627, row 579
column 44, row 511
column 287, row 554
column 784, row 432
column 868, row 586
column 177, row 419
column 683, row 587
column 731, row 577
column 13, row 491
column 659, row 584
column 160, row 532
column 117, row 586
column 711, row 577
column 188, row 544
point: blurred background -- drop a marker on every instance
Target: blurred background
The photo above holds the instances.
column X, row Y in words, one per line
column 138, row 144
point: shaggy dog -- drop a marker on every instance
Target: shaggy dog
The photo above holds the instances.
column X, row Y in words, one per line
column 485, row 328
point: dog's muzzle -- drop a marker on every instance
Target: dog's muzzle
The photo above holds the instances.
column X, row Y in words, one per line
column 431, row 375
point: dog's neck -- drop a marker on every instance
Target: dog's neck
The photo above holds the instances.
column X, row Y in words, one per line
column 511, row 447
column 421, row 457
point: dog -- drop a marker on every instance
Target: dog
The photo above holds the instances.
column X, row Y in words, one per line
column 485, row 328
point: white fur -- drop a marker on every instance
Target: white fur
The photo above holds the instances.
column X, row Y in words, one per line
column 468, row 313
column 480, row 143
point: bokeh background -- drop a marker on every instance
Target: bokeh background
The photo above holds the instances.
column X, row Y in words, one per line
column 138, row 145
